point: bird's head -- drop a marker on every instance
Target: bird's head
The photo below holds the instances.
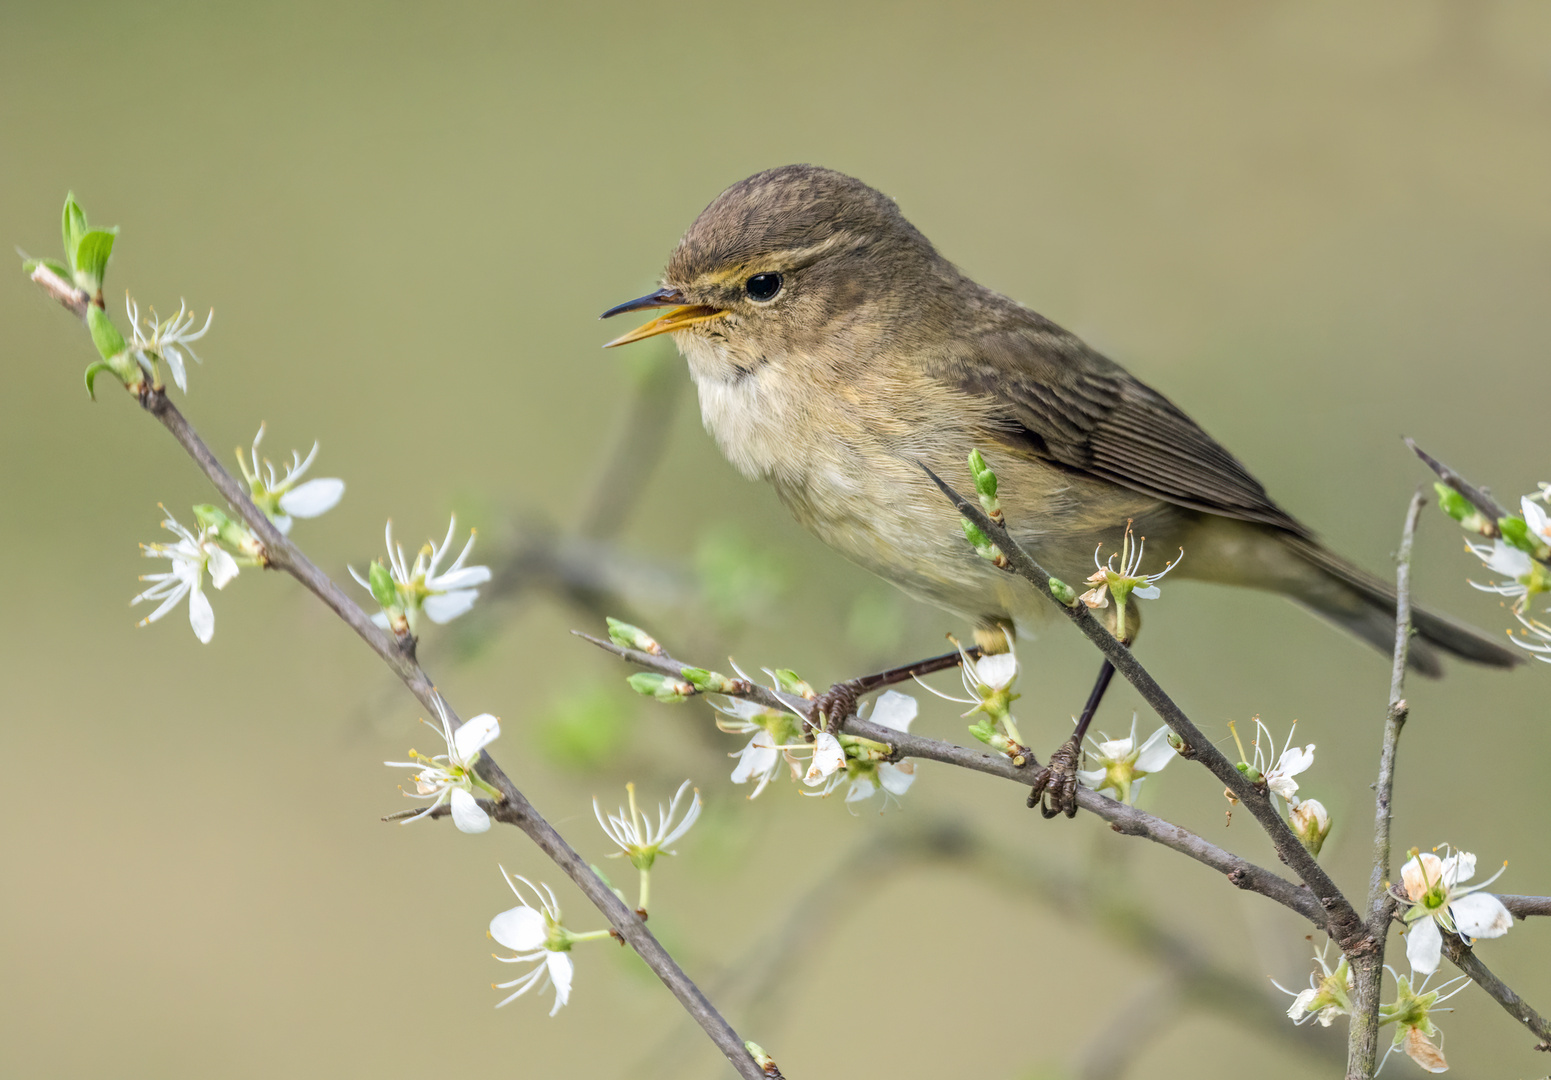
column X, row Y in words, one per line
column 794, row 261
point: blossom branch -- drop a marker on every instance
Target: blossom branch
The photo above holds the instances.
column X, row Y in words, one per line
column 282, row 554
column 1345, row 925
column 1124, row 819
column 1368, row 970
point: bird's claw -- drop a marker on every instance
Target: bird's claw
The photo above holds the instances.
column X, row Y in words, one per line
column 832, row 708
column 1055, row 787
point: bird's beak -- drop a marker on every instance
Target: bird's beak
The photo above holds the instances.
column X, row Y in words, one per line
column 681, row 316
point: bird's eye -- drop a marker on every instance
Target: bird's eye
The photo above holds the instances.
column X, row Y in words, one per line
column 763, row 287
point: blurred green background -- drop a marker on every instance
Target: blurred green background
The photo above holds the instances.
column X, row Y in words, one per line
column 1317, row 226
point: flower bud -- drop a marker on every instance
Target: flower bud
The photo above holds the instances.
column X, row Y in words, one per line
column 662, row 687
column 981, row 542
column 232, row 534
column 1311, row 823
column 383, row 589
column 985, row 485
column 632, row 637
column 792, row 683
column 1063, row 592
column 711, row 682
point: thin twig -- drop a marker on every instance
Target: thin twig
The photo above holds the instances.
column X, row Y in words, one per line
column 1466, row 960
column 1368, row 970
column 1490, row 508
column 1522, row 907
column 1124, row 819
column 1346, row 926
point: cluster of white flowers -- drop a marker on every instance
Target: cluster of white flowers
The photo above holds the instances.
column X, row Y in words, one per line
column 423, row 586
column 1520, row 552
column 221, row 545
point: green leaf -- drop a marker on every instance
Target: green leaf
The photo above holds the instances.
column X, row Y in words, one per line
column 73, row 227
column 91, row 258
column 105, row 335
column 92, row 371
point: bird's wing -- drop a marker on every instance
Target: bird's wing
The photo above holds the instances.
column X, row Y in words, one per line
column 1059, row 401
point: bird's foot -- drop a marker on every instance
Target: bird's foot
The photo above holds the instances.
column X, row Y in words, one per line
column 1055, row 786
column 833, row 707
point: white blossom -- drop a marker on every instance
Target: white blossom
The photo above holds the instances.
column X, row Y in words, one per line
column 1536, row 518
column 637, row 837
column 534, row 934
column 761, row 757
column 283, row 498
column 1438, row 900
column 1122, row 764
column 191, row 556
column 892, row 710
column 450, row 776
column 1293, row 761
column 1126, row 580
column 168, row 339
column 1328, row 995
column 422, row 585
column 1507, row 560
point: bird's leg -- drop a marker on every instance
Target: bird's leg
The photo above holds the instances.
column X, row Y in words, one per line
column 1055, row 787
column 835, row 705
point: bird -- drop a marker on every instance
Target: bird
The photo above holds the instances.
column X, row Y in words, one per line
column 836, row 352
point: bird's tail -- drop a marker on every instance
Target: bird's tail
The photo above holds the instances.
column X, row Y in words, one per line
column 1364, row 605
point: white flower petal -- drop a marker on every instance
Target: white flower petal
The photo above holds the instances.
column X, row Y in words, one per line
column 446, row 607
column 381, row 620
column 467, row 814
column 827, row 757
column 475, row 734
column 1091, row 778
column 222, row 567
column 1481, row 915
column 466, row 578
column 1147, row 592
column 313, row 498
column 1114, row 750
column 1420, row 873
column 896, row 777
column 560, row 969
column 1460, row 866
column 997, row 671
column 1295, row 761
column 283, row 523
column 862, row 788
column 894, row 710
column 201, row 616
column 1506, row 559
column 1301, row 1003
column 1424, row 945
column 1156, row 753
column 757, row 758
column 1536, row 519
column 175, row 365
column 520, row 929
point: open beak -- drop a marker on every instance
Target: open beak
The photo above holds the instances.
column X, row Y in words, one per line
column 681, row 316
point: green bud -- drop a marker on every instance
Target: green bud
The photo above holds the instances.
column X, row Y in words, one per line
column 73, row 227
column 762, row 1059
column 1452, row 502
column 1249, row 772
column 232, row 533
column 985, row 484
column 632, row 637
column 384, row 590
column 662, row 687
column 91, row 259
column 710, row 682
column 109, row 342
column 1516, row 532
column 975, row 535
column 792, row 683
column 1063, row 592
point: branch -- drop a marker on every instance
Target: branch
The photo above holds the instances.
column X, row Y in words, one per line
column 515, row 808
column 1466, row 960
column 1124, row 819
column 1490, row 508
column 1345, row 925
column 1522, row 907
column 1368, row 970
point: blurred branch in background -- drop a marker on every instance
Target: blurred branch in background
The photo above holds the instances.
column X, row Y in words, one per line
column 763, row 979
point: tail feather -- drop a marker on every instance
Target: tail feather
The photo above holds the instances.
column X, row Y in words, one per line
column 1365, row 605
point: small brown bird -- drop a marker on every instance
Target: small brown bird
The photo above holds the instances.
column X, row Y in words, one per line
column 835, row 350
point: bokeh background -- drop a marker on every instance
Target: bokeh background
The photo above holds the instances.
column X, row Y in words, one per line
column 1317, row 226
